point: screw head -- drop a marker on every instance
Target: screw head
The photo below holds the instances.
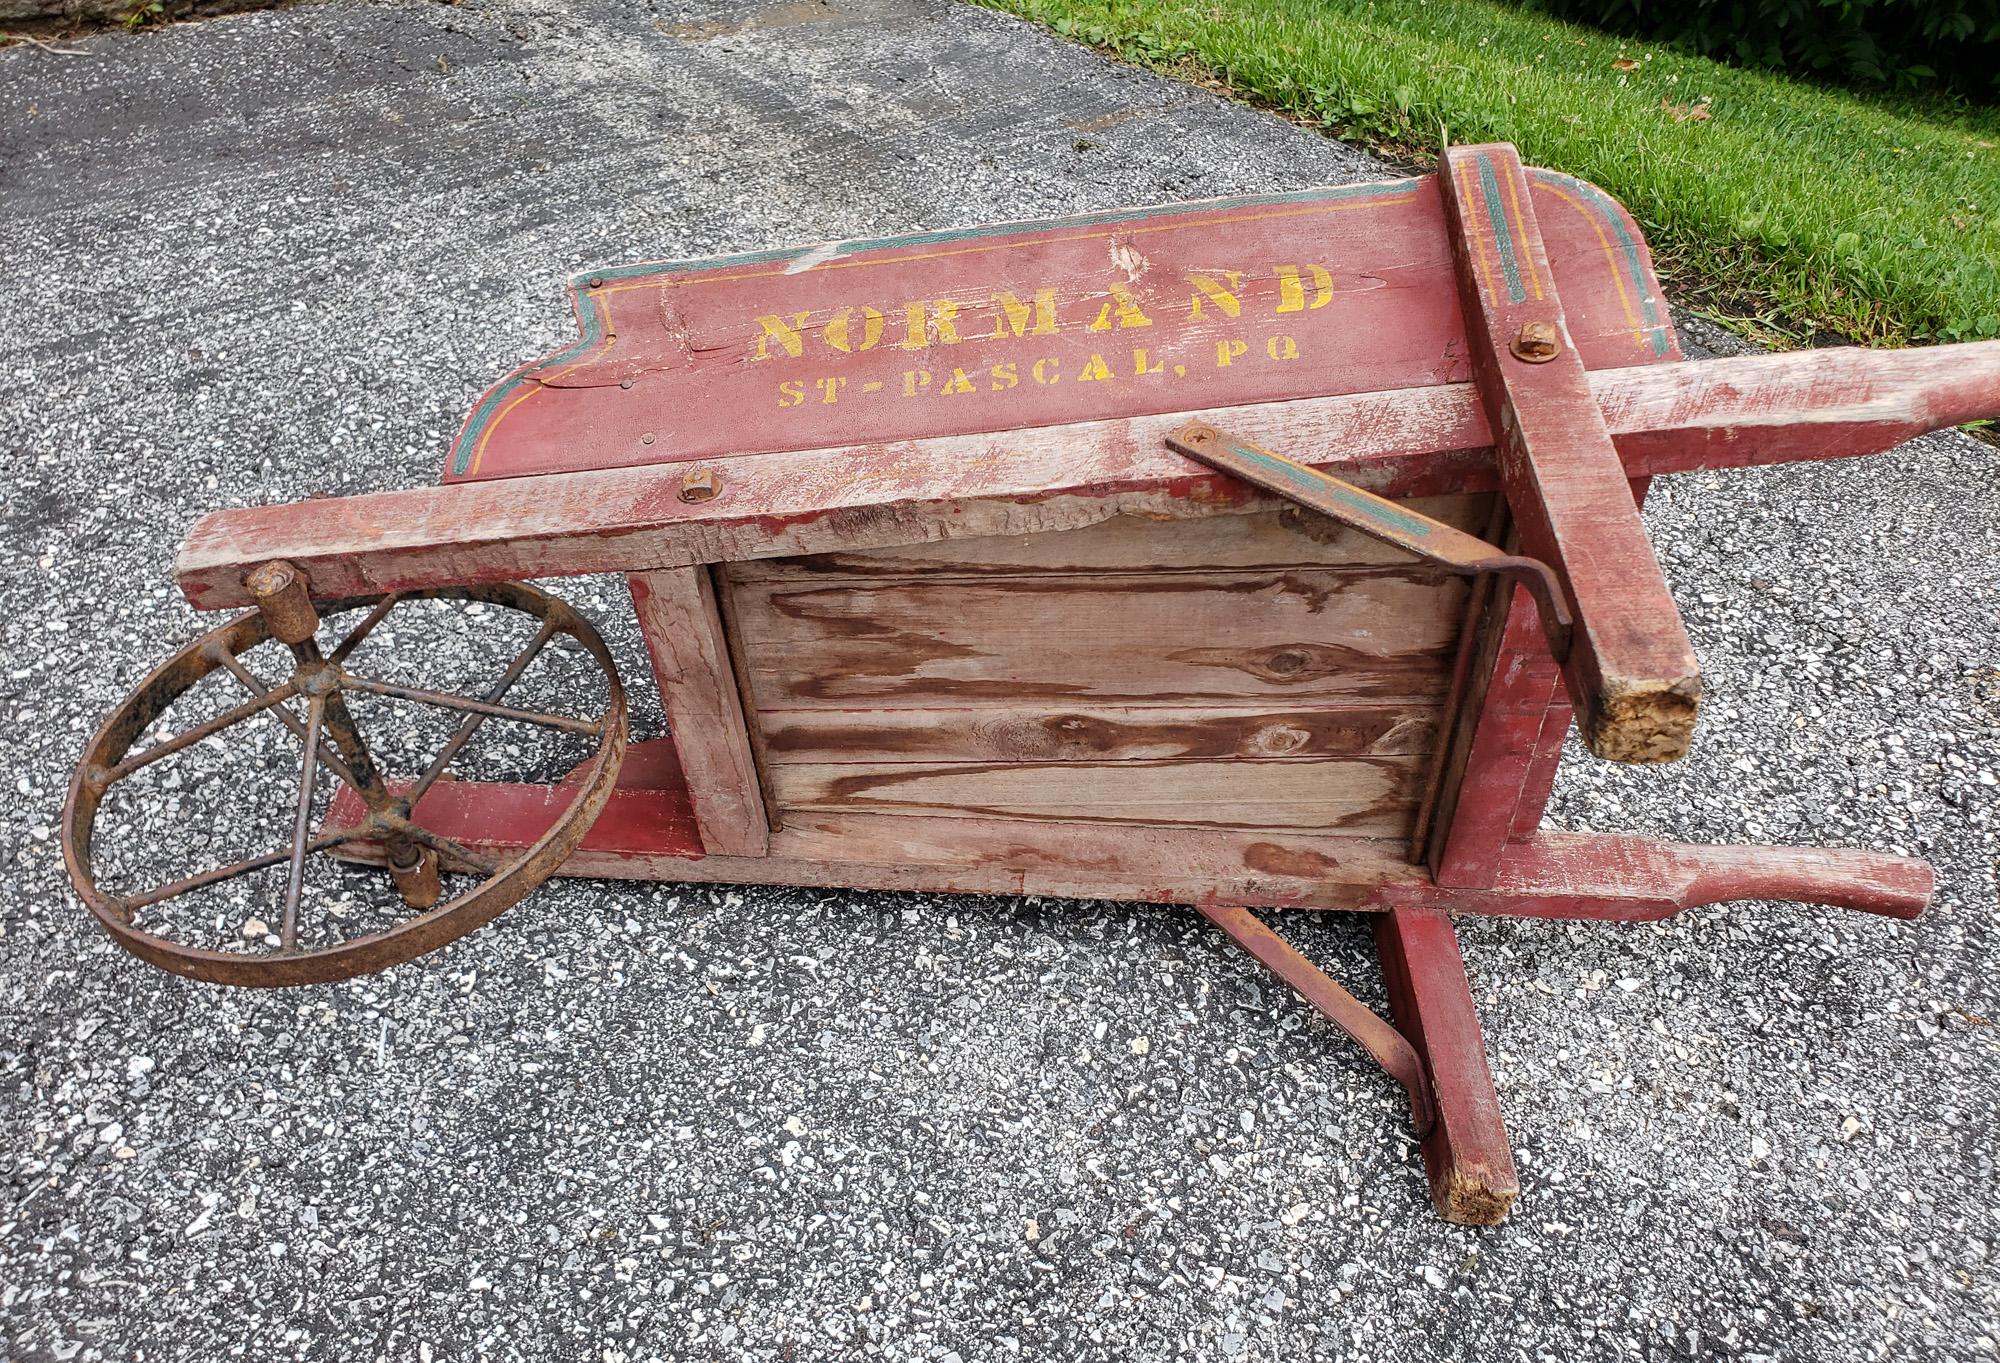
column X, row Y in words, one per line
column 646, row 439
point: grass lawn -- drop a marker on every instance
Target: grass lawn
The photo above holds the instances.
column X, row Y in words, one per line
column 1785, row 208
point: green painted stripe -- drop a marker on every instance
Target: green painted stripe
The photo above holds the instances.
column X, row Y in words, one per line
column 593, row 328
column 1609, row 210
column 1389, row 518
column 1510, row 256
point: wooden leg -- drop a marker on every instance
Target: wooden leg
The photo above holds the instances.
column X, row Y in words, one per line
column 1471, row 1168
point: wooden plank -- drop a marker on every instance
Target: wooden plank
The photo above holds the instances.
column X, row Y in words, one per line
column 1493, row 746
column 1408, row 443
column 1012, row 325
column 1306, row 635
column 1097, row 733
column 1290, row 537
column 1631, row 671
column 647, row 833
column 1359, row 796
column 1539, row 782
column 683, row 631
column 1471, row 1167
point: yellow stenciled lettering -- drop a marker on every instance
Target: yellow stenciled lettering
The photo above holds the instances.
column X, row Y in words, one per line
column 1228, row 352
column 786, row 334
column 915, row 381
column 791, row 393
column 840, row 330
column 1005, row 376
column 1122, row 305
column 1206, row 287
column 1292, row 289
column 922, row 316
column 1282, row 348
column 1096, row 369
column 1045, row 371
column 1024, row 319
column 958, row 383
column 829, row 389
column 1139, row 366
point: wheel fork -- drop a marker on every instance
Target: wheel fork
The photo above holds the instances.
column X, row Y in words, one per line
column 280, row 591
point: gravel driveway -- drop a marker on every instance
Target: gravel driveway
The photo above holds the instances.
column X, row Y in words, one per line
column 262, row 257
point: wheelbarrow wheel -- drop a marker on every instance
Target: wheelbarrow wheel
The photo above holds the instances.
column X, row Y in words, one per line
column 373, row 828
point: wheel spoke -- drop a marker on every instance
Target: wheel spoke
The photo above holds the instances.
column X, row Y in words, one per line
column 295, row 879
column 478, row 707
column 472, row 722
column 457, row 851
column 346, row 647
column 207, row 729
column 256, row 687
column 233, row 870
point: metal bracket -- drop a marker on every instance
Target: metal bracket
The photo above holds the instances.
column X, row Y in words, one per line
column 1378, row 517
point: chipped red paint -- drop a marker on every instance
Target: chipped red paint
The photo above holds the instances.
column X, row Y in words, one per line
column 1164, row 309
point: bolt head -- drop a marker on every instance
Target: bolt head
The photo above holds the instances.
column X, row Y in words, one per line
column 700, row 485
column 1537, row 343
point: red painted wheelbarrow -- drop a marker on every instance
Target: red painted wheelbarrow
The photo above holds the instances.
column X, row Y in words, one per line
column 1256, row 553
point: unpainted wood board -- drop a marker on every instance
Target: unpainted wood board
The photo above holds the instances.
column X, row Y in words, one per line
column 1305, row 635
column 1360, row 796
column 1286, row 537
column 1029, row 733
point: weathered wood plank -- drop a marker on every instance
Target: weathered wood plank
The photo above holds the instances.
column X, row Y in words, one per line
column 1494, row 743
column 1631, row 671
column 1305, row 635
column 1359, row 796
column 1287, row 538
column 646, row 834
column 1097, row 733
column 1466, row 1154
column 1409, row 443
column 683, row 631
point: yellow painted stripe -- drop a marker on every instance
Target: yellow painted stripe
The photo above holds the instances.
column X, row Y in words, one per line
column 1611, row 259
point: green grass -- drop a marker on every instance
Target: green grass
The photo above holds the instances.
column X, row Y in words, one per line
column 1788, row 208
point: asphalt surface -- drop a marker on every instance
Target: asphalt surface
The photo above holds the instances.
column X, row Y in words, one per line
column 266, row 256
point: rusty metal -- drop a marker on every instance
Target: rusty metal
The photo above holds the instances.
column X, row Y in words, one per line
column 1388, row 1047
column 700, row 485
column 420, row 855
column 417, row 879
column 370, row 685
column 471, row 726
column 1536, row 343
column 1379, row 518
column 359, row 634
column 279, row 590
column 295, row 874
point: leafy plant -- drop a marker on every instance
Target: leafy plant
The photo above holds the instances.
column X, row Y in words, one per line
column 1900, row 44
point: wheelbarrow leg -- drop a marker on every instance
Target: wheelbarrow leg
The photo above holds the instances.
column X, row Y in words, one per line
column 1466, row 1154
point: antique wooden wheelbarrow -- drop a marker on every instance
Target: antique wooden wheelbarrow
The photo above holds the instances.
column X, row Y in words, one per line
column 1002, row 560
